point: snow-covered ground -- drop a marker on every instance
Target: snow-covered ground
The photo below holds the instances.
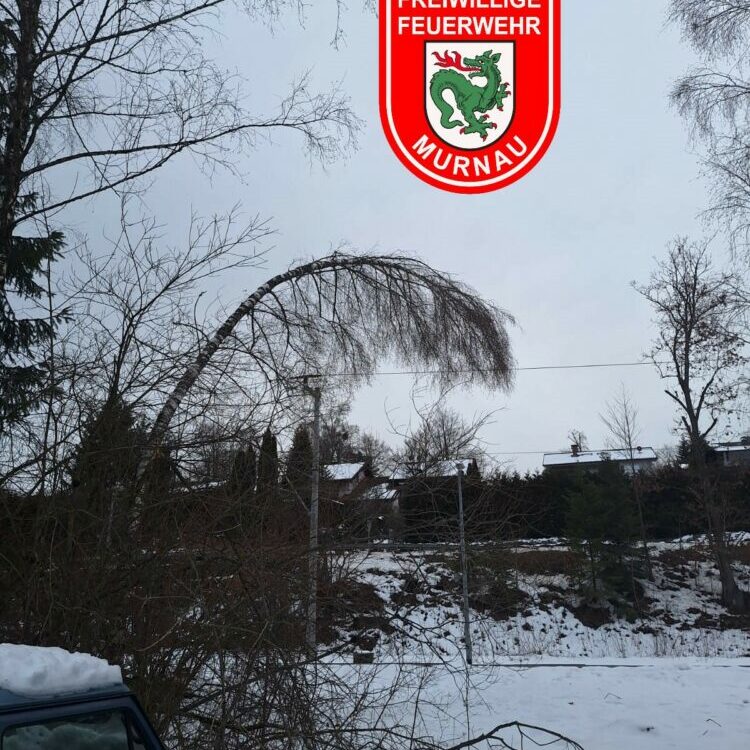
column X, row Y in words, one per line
column 665, row 704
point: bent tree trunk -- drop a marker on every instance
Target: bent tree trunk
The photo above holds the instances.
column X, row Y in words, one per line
column 428, row 318
column 187, row 381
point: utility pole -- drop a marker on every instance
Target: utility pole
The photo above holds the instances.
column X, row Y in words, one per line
column 312, row 601
column 464, row 571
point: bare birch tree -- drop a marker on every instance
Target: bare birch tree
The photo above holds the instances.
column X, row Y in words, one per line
column 351, row 310
column 714, row 97
column 115, row 89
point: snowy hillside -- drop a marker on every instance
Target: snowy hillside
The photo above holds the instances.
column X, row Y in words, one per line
column 532, row 608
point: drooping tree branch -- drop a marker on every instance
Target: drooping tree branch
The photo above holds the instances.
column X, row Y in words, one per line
column 714, row 98
column 359, row 308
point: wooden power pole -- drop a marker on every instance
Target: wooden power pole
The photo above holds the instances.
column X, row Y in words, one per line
column 464, row 572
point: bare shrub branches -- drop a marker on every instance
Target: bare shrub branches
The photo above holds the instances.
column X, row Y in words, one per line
column 100, row 93
column 504, row 734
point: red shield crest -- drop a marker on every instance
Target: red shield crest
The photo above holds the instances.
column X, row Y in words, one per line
column 470, row 89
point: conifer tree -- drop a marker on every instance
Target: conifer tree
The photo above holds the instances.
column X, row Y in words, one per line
column 241, row 487
column 24, row 337
column 109, row 449
column 25, row 340
column 268, row 466
column 103, row 471
column 299, row 464
column 600, row 525
column 244, row 473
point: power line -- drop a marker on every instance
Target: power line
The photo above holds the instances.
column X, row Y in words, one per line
column 472, row 371
column 469, row 371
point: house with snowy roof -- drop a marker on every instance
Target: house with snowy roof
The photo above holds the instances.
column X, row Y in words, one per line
column 631, row 461
column 341, row 480
column 436, row 470
column 732, row 454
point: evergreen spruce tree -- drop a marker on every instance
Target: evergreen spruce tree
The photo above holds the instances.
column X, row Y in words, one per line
column 299, row 464
column 109, row 449
column 686, row 455
column 24, row 337
column 103, row 472
column 244, row 473
column 268, row 467
column 241, row 488
column 601, row 526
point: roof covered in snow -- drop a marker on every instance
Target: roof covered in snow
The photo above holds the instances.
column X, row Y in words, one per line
column 342, row 472
column 730, row 448
column 596, row 457
column 32, row 671
column 438, row 469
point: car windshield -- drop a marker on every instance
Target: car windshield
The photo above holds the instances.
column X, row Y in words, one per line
column 103, row 730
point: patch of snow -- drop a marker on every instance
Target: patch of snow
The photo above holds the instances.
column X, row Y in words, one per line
column 597, row 457
column 34, row 670
column 342, row 472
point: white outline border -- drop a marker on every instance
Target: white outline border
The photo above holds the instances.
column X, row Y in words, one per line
column 463, row 183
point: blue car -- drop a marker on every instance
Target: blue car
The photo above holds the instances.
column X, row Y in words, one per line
column 105, row 718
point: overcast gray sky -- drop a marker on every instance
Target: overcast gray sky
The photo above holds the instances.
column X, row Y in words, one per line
column 558, row 249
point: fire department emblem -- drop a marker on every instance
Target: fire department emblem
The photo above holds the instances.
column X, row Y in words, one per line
column 461, row 112
column 470, row 89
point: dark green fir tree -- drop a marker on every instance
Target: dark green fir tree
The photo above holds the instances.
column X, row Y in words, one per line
column 299, row 464
column 26, row 328
column 268, row 467
column 601, row 527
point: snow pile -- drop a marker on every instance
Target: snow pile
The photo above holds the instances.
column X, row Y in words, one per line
column 32, row 670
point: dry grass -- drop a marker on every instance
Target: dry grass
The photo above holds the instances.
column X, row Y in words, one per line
column 545, row 562
column 741, row 553
column 674, row 558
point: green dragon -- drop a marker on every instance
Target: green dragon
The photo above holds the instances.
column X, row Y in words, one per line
column 470, row 99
